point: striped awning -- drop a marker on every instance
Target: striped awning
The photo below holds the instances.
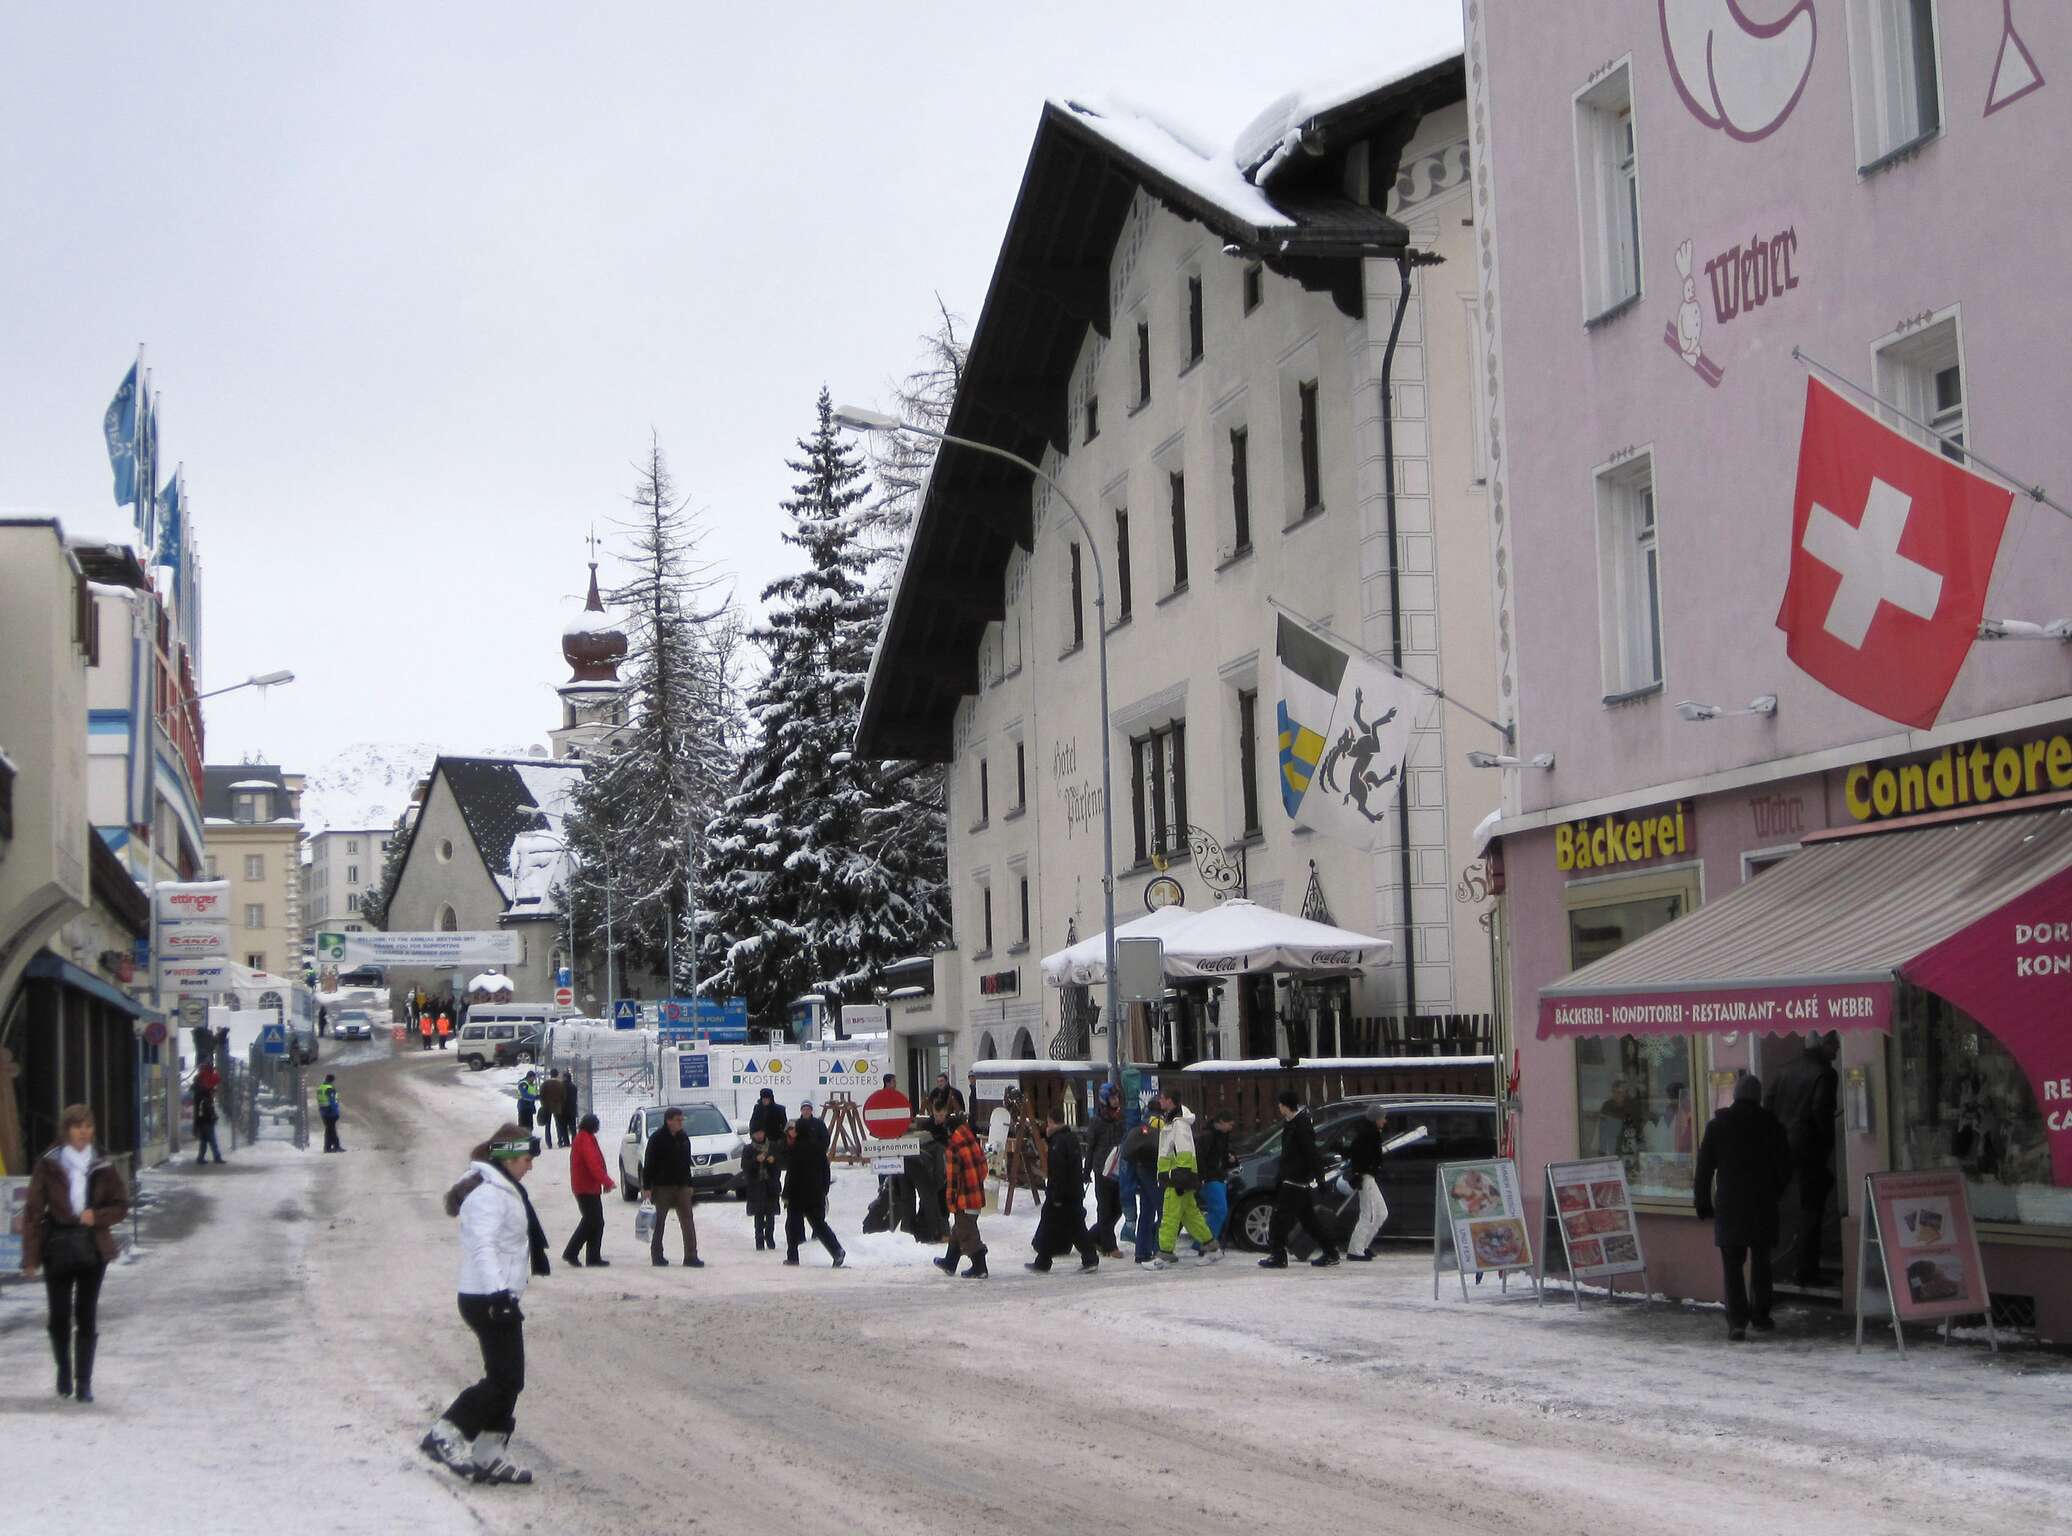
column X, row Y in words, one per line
column 1818, row 942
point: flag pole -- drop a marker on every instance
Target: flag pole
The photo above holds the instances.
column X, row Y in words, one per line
column 1509, row 733
column 2033, row 492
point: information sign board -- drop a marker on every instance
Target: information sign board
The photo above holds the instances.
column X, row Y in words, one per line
column 1479, row 1225
column 1928, row 1256
column 1589, row 1223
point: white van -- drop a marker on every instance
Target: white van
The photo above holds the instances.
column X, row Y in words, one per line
column 506, row 1034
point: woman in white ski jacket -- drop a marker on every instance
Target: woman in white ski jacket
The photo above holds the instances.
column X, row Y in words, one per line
column 502, row 1246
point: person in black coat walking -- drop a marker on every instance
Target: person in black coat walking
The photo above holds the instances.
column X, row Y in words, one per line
column 762, row 1170
column 1103, row 1136
column 1747, row 1156
column 807, row 1178
column 1805, row 1098
column 1295, row 1200
column 1062, row 1226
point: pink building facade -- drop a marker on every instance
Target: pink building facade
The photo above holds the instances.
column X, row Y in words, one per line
column 1673, row 198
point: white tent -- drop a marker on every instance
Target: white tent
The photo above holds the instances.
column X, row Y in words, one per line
column 1230, row 939
column 1241, row 936
column 1085, row 964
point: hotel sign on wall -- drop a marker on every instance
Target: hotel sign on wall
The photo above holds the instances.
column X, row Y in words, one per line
column 1612, row 842
column 1975, row 774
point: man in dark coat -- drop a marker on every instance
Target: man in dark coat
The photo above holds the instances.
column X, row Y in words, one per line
column 551, row 1092
column 570, row 1107
column 1295, row 1200
column 1805, row 1099
column 807, row 1178
column 1746, row 1156
column 1062, row 1226
column 768, row 1117
column 761, row 1170
column 1103, row 1136
column 665, row 1173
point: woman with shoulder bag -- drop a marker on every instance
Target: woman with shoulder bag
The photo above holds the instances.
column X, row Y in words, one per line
column 501, row 1246
column 77, row 1198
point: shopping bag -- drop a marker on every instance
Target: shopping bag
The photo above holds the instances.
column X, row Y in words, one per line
column 644, row 1221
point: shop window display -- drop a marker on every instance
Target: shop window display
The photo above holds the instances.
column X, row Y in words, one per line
column 1635, row 1094
column 1961, row 1101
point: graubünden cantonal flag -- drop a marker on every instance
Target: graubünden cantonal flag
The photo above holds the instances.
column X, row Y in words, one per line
column 1892, row 548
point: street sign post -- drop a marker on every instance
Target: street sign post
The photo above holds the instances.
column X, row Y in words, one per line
column 626, row 1013
column 887, row 1114
column 273, row 1039
column 564, row 997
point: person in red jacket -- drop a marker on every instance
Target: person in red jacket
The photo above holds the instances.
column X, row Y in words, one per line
column 589, row 1181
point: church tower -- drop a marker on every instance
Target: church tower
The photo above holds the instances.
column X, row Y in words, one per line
column 593, row 702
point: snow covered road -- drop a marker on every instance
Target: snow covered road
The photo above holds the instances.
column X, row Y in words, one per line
column 307, row 1314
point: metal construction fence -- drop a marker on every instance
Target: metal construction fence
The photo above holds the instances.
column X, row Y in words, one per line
column 616, row 1071
column 265, row 1098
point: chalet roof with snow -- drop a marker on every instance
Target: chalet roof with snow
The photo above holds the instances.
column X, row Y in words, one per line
column 1279, row 195
column 502, row 799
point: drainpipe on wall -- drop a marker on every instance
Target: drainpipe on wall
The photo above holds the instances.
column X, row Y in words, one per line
column 1388, row 470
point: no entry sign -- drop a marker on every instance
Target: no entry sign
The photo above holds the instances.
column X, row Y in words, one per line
column 887, row 1114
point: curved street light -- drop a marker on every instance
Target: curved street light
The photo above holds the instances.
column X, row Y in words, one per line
column 259, row 680
column 857, row 419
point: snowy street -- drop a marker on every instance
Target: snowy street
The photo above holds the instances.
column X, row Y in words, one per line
column 290, row 1328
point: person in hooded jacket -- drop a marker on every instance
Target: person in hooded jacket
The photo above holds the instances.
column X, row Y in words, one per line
column 768, row 1117
column 76, row 1200
column 589, row 1182
column 1212, row 1148
column 1295, row 1198
column 1103, row 1136
column 807, row 1179
column 502, row 1245
column 1179, row 1176
column 1062, row 1226
column 1744, row 1164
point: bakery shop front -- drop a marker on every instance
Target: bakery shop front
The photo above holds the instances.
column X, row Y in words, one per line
column 1920, row 909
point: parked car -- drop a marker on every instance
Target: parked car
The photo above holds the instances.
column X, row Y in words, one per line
column 353, row 1024
column 715, row 1150
column 1462, row 1129
column 522, row 1049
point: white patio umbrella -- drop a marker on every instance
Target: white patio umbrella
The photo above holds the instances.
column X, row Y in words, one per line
column 1085, row 964
column 1238, row 937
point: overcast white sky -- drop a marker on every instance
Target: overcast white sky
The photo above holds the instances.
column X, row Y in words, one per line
column 416, row 280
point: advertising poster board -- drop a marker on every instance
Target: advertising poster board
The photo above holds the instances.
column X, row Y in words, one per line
column 1480, row 1224
column 1589, row 1222
column 1928, row 1254
column 14, row 1205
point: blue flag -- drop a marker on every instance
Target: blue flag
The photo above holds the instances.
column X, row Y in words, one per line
column 169, row 526
column 147, row 475
column 120, row 425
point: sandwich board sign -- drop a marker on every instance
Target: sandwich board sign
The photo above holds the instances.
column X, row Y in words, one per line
column 1928, row 1256
column 1589, row 1223
column 1479, row 1224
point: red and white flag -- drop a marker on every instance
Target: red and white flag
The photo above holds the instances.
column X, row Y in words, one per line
column 1892, row 548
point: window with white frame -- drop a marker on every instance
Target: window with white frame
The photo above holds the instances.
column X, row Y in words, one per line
column 1629, row 577
column 352, row 874
column 255, row 866
column 1608, row 187
column 985, row 920
column 352, row 901
column 352, row 845
column 255, row 914
column 1898, row 87
column 1923, row 374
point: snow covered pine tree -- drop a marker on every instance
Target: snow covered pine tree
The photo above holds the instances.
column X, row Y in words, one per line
column 664, row 772
column 808, row 880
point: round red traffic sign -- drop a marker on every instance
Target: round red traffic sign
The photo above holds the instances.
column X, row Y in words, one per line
column 564, row 996
column 887, row 1114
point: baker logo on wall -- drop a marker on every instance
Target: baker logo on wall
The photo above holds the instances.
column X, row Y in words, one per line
column 1685, row 333
column 1734, row 73
column 1344, row 733
column 1892, row 548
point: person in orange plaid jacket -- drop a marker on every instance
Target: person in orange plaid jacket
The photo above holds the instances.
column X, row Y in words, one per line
column 965, row 1169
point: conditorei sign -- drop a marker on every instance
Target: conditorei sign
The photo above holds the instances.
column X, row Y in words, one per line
column 1977, row 774
column 1611, row 841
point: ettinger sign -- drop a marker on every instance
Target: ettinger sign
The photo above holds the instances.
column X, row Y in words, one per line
column 1614, row 840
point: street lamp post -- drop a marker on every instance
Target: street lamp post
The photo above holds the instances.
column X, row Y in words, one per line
column 259, row 680
column 857, row 419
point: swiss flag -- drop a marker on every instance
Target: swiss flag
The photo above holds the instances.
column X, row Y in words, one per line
column 1892, row 546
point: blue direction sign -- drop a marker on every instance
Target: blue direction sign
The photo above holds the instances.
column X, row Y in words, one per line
column 626, row 1013
column 693, row 1070
column 704, row 1018
column 273, row 1039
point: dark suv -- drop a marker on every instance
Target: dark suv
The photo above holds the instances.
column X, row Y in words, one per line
column 1462, row 1128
